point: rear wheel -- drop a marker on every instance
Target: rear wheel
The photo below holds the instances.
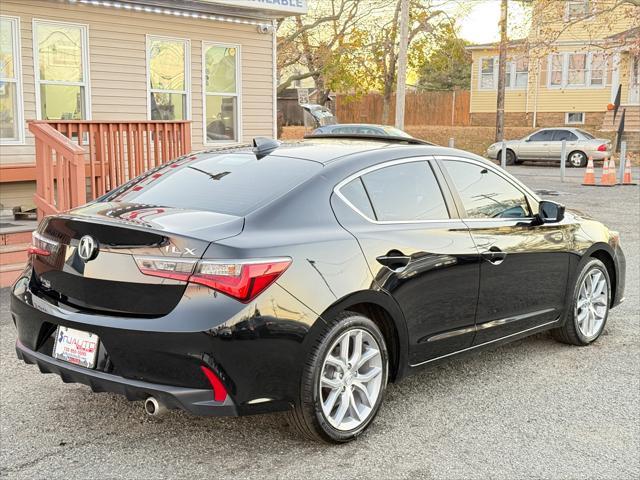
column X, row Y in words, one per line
column 590, row 306
column 343, row 382
column 577, row 160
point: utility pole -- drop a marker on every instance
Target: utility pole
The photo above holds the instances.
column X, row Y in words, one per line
column 402, row 63
column 502, row 69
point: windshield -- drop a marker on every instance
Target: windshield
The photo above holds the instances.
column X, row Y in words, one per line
column 585, row 134
column 395, row 132
column 231, row 183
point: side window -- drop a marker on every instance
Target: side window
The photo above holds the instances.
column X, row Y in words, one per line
column 355, row 193
column 564, row 135
column 542, row 136
column 405, row 192
column 486, row 194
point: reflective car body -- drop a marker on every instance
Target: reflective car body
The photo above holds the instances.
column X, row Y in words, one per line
column 468, row 279
column 546, row 144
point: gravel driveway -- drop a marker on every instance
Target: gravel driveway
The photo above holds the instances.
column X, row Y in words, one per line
column 532, row 409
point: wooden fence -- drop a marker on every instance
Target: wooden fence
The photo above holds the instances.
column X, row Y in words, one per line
column 424, row 108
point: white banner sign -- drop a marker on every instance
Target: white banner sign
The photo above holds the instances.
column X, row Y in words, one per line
column 291, row 7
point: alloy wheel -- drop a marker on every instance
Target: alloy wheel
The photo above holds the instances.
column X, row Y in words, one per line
column 351, row 379
column 592, row 303
column 576, row 159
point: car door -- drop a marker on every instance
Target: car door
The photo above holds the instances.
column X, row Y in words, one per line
column 524, row 268
column 418, row 250
column 536, row 147
column 555, row 146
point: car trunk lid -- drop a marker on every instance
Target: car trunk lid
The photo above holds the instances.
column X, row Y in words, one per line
column 107, row 278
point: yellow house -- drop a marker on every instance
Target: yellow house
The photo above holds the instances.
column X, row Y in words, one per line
column 578, row 57
column 208, row 66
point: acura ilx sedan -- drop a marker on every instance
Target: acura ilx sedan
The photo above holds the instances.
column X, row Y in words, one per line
column 304, row 277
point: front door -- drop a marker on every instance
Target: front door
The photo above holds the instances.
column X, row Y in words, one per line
column 634, row 81
column 418, row 251
column 524, row 269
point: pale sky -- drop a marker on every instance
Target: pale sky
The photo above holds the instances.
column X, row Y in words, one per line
column 480, row 25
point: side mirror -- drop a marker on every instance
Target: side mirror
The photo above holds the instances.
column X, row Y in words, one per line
column 549, row 212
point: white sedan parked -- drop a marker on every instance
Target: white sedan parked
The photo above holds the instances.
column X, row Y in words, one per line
column 546, row 144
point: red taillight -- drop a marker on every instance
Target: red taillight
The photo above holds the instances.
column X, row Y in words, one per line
column 243, row 280
column 602, row 148
column 219, row 392
column 41, row 245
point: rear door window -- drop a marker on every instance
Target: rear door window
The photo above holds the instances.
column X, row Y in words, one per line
column 564, row 135
column 356, row 195
column 542, row 136
column 405, row 192
column 230, row 183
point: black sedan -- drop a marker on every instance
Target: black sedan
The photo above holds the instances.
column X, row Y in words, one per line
column 304, row 277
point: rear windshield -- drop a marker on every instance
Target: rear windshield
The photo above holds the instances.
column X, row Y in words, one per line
column 232, row 183
column 586, row 134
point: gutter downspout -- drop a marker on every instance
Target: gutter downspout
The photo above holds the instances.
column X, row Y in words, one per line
column 535, row 98
column 274, row 60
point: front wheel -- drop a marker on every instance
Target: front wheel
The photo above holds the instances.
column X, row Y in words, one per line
column 343, row 382
column 590, row 306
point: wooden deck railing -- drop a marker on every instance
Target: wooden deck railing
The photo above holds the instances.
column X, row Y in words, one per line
column 111, row 153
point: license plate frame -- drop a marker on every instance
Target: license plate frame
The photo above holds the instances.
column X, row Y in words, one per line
column 77, row 347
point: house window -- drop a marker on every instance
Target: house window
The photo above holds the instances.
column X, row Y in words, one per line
column 61, row 70
column 11, row 126
column 221, row 91
column 575, row 70
column 574, row 118
column 487, row 73
column 597, row 69
column 168, row 78
column 576, row 9
column 517, row 73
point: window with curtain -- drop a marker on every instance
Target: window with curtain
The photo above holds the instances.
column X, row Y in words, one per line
column 556, row 63
column 577, row 69
column 598, row 69
column 168, row 74
column 221, row 93
column 61, row 70
column 10, row 103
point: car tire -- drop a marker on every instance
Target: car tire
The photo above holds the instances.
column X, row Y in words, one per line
column 512, row 159
column 589, row 308
column 577, row 159
column 309, row 415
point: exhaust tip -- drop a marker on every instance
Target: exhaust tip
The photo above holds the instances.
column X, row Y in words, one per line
column 153, row 407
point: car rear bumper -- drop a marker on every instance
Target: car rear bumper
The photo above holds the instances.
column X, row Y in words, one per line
column 196, row 401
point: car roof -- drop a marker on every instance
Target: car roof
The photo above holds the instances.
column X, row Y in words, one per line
column 328, row 149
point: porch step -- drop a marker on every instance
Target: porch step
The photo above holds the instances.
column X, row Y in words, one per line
column 631, row 120
column 13, row 253
column 9, row 273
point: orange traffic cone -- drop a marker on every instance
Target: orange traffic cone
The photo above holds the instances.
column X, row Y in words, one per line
column 605, row 179
column 626, row 179
column 589, row 175
column 612, row 172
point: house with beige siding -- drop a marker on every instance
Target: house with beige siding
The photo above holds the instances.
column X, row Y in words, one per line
column 579, row 57
column 209, row 64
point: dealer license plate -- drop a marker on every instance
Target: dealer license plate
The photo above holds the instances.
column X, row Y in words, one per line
column 76, row 346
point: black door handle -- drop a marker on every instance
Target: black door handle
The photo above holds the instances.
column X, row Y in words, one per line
column 494, row 255
column 394, row 260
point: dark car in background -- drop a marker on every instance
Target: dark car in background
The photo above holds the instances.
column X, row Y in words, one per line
column 304, row 277
column 360, row 129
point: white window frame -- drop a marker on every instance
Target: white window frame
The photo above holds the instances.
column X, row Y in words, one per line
column 567, row 11
column 566, row 118
column 17, row 72
column 237, row 94
column 187, row 73
column 511, row 69
column 86, row 83
column 564, row 84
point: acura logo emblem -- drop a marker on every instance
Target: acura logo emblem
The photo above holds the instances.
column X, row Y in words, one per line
column 87, row 248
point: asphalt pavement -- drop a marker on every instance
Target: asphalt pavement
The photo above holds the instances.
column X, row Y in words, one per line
column 531, row 409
